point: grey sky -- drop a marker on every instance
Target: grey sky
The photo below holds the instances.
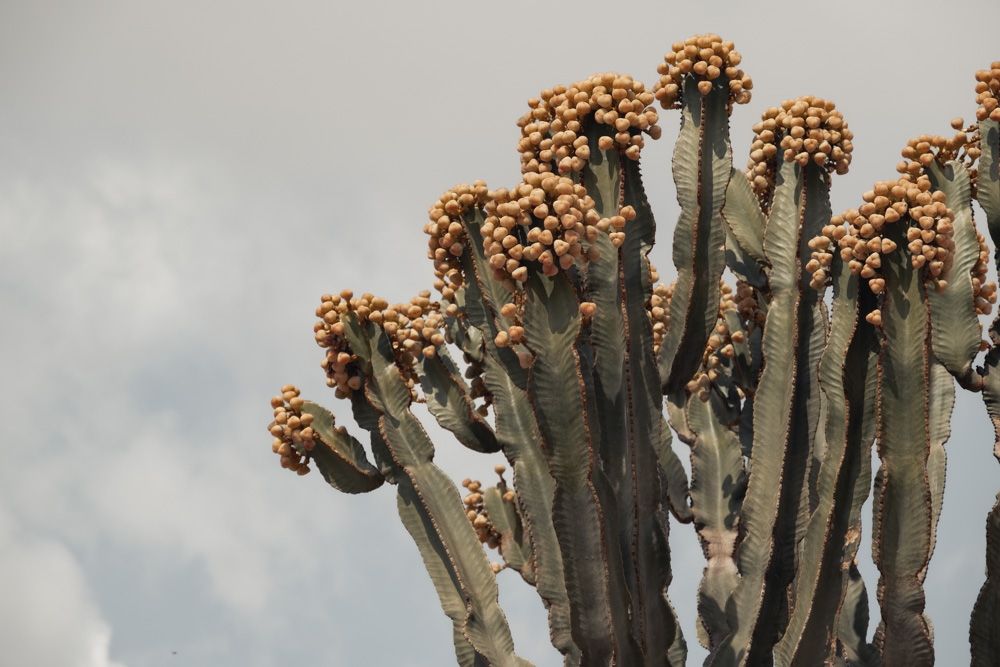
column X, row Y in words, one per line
column 179, row 182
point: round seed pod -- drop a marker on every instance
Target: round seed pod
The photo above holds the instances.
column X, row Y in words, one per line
column 446, row 232
column 292, row 436
column 553, row 130
column 551, row 243
column 988, row 93
column 716, row 60
column 909, row 201
column 807, row 130
column 920, row 152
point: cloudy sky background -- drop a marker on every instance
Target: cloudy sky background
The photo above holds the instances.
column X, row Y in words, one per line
column 179, row 182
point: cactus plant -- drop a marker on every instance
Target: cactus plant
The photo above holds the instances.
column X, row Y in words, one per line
column 843, row 332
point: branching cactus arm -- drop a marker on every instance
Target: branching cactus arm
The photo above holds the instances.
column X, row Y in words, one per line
column 718, row 482
column 903, row 529
column 955, row 327
column 791, row 176
column 516, row 427
column 702, row 166
column 986, row 613
column 848, row 378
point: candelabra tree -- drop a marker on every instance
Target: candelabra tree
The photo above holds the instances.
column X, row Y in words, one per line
column 843, row 332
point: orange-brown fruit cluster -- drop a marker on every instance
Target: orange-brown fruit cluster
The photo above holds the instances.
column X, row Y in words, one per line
column 823, row 247
column 342, row 372
column 748, row 306
column 804, row 130
column 413, row 329
column 863, row 245
column 988, row 93
column 984, row 293
column 553, row 131
column 513, row 335
column 659, row 313
column 475, row 508
column 921, row 151
column 708, row 58
column 474, row 372
column 292, row 430
column 447, row 234
column 719, row 346
column 545, row 218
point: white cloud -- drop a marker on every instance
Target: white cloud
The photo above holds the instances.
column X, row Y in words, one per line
column 48, row 617
column 134, row 450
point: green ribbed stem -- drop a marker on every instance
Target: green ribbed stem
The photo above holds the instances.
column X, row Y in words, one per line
column 702, row 163
column 954, row 325
column 518, row 435
column 427, row 493
column 983, row 636
column 904, row 521
column 847, row 374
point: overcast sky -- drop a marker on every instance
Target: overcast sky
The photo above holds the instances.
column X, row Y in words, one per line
column 180, row 181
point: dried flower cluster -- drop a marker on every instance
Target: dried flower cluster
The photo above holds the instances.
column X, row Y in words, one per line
column 413, row 329
column 545, row 218
column 863, row 243
column 447, row 234
column 553, row 131
column 293, row 435
column 708, row 58
column 803, row 130
column 988, row 93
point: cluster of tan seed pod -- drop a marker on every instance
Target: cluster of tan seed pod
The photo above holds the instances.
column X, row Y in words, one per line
column 553, row 131
column 988, row 93
column 659, row 312
column 474, row 371
column 475, row 508
column 748, row 306
column 292, row 430
column 413, row 328
column 921, row 151
column 342, row 373
column 984, row 292
column 823, row 247
column 964, row 146
column 545, row 218
column 803, row 130
column 708, row 58
column 447, row 234
column 863, row 243
column 513, row 335
column 719, row 347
